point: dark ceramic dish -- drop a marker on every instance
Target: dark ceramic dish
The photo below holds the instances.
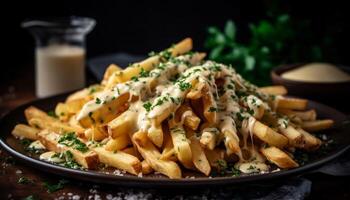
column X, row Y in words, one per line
column 324, row 92
column 340, row 135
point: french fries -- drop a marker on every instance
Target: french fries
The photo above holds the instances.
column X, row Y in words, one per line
column 181, row 145
column 175, row 111
column 309, row 142
column 120, row 160
column 268, row 135
column 317, row 125
column 291, row 103
column 199, row 158
column 274, row 90
column 148, row 64
column 50, row 140
column 309, row 115
column 279, row 158
column 152, row 155
column 24, row 131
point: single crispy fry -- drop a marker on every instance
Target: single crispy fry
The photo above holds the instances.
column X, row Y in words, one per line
column 309, row 115
column 199, row 158
column 274, row 90
column 120, row 160
column 268, row 135
column 49, row 139
column 196, row 91
column 65, row 110
column 108, row 75
column 86, row 93
column 209, row 138
column 278, row 157
column 34, row 112
column 317, row 125
column 54, row 125
column 148, row 64
column 155, row 134
column 185, row 115
column 181, row 145
column 168, row 152
column 209, row 106
column 291, row 103
column 146, row 168
column 293, row 135
column 124, row 124
column 309, row 142
column 107, row 112
column 25, row 131
column 118, row 143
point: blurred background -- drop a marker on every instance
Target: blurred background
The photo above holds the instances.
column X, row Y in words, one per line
column 312, row 30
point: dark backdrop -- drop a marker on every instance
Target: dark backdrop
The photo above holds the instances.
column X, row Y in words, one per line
column 139, row 27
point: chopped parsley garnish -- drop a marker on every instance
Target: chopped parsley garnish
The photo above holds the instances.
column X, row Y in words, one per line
column 90, row 116
column 144, row 73
column 175, row 100
column 92, row 90
column 52, row 114
column 230, row 86
column 213, row 109
column 250, row 111
column 25, row 142
column 159, row 102
column 215, row 68
column 161, row 66
column 184, row 86
column 241, row 93
column 68, row 158
column 134, row 78
column 147, row 106
column 71, row 140
column 222, row 165
column 235, row 172
column 98, row 101
column 55, row 187
column 251, row 167
column 165, row 55
column 240, row 117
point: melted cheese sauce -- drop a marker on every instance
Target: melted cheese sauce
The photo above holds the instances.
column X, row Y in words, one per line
column 48, row 157
column 36, row 145
column 159, row 96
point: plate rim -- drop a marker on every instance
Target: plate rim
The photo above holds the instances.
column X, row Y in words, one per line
column 147, row 182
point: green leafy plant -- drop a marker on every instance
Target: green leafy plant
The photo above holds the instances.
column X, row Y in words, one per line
column 271, row 42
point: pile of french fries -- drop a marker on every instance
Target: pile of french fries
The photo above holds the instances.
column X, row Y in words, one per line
column 176, row 111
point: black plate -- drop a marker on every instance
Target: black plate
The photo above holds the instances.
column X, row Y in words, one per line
column 340, row 135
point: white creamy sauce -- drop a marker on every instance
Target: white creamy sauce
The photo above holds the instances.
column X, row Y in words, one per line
column 36, row 145
column 235, row 109
column 140, row 88
column 252, row 167
column 59, row 68
column 49, row 157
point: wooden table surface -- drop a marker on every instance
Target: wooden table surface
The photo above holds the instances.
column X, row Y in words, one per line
column 21, row 90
